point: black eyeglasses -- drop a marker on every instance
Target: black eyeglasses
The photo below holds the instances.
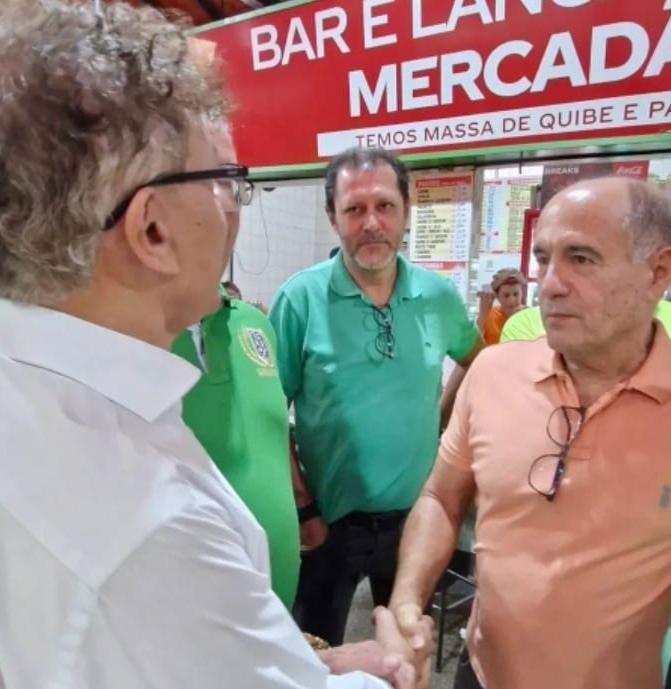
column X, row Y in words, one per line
column 384, row 341
column 548, row 470
column 236, row 189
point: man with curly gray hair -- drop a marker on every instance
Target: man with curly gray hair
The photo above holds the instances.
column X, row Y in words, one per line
column 126, row 560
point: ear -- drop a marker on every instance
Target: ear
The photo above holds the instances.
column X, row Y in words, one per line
column 149, row 237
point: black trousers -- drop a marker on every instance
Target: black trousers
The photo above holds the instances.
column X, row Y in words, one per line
column 465, row 677
column 359, row 545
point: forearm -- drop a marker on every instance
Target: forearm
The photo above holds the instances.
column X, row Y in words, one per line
column 313, row 529
column 449, row 394
column 429, row 539
column 451, row 388
column 302, row 493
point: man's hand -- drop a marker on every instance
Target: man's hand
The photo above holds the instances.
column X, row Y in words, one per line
column 371, row 657
column 313, row 533
column 410, row 620
column 414, row 642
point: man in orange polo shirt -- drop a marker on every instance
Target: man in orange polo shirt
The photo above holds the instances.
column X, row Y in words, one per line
column 565, row 443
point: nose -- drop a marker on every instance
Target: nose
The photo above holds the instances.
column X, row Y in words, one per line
column 371, row 221
column 552, row 282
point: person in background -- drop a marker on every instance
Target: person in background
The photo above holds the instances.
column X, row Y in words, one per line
column 507, row 289
column 238, row 412
column 232, row 290
column 361, row 342
column 128, row 561
column 564, row 443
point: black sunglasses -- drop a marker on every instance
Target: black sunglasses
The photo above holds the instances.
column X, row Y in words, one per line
column 547, row 471
column 384, row 341
column 242, row 188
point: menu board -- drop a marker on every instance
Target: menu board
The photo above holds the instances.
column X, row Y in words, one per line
column 457, row 271
column 440, row 223
column 503, row 204
column 441, row 213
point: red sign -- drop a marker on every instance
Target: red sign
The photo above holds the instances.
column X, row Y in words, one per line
column 428, row 76
column 558, row 176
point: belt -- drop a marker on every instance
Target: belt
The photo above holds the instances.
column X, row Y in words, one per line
column 375, row 520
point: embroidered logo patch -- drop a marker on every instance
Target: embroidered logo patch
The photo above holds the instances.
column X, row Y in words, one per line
column 255, row 345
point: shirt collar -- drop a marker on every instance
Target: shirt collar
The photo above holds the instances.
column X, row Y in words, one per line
column 142, row 378
column 406, row 286
column 653, row 378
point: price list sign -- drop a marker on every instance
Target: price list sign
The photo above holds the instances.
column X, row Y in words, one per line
column 503, row 206
column 442, row 208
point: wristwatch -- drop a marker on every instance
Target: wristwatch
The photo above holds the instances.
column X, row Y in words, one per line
column 309, row 511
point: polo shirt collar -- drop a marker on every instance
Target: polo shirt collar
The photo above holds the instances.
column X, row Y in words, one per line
column 653, row 378
column 140, row 377
column 406, row 286
column 548, row 364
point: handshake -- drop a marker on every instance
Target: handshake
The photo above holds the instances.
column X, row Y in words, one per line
column 399, row 654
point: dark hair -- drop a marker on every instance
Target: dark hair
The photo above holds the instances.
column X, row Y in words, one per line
column 357, row 159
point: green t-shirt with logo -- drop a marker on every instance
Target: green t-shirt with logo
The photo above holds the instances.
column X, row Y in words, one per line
column 238, row 412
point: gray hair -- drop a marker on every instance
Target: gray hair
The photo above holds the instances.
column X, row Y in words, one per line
column 649, row 218
column 90, row 106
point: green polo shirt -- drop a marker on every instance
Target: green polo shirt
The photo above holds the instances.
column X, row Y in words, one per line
column 366, row 425
column 527, row 324
column 239, row 414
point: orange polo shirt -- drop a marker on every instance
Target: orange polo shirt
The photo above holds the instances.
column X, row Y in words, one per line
column 574, row 593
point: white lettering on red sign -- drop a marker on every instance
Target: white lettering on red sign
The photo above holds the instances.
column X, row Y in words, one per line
column 265, row 40
column 413, row 74
column 559, row 61
column 478, row 8
column 370, row 21
column 586, row 116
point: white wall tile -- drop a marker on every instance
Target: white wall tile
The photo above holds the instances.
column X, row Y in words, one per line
column 277, row 238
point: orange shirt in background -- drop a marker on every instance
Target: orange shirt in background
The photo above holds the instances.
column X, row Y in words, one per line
column 574, row 593
column 494, row 325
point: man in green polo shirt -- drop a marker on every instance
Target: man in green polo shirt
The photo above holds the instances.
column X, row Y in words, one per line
column 361, row 343
column 238, row 413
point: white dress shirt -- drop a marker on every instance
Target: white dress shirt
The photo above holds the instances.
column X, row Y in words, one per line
column 126, row 560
